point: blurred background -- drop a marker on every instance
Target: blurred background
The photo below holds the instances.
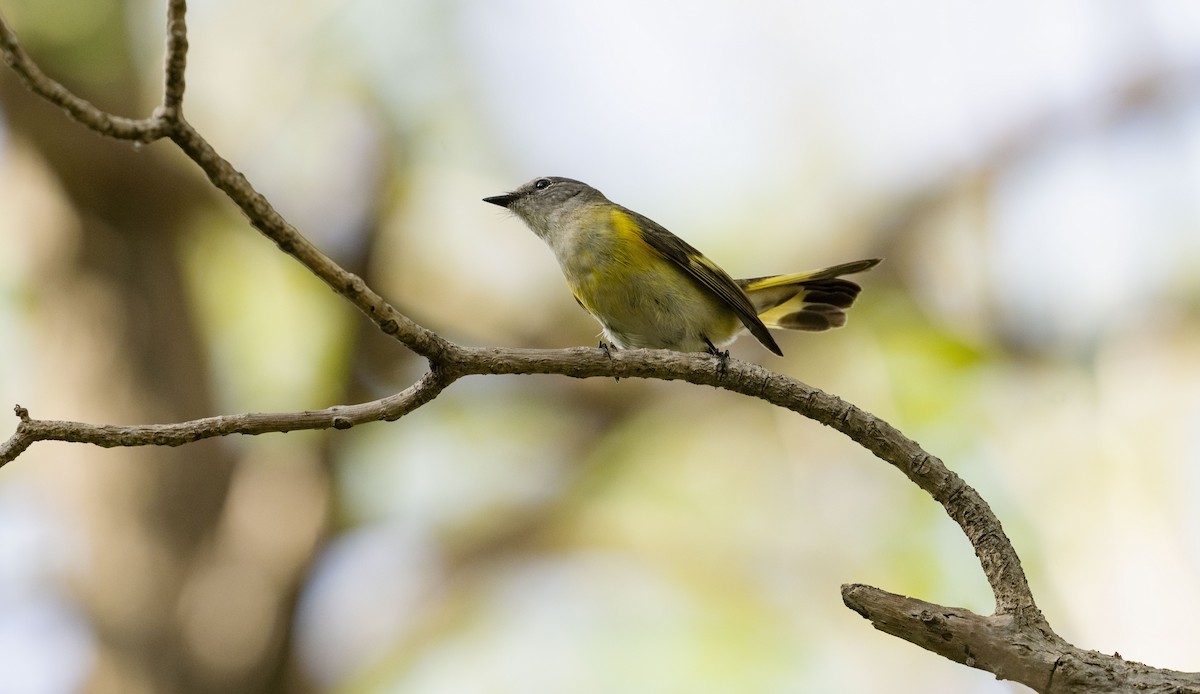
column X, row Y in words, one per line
column 1030, row 171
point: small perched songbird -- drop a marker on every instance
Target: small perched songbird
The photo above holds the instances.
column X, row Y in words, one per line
column 649, row 288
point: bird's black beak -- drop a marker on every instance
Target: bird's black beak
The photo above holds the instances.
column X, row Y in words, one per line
column 502, row 200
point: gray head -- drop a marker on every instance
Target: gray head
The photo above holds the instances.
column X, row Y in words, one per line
column 544, row 202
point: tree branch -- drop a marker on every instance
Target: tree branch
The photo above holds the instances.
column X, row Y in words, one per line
column 996, row 644
column 145, row 131
column 176, row 61
column 1000, row 644
column 1015, row 643
column 263, row 216
column 388, row 409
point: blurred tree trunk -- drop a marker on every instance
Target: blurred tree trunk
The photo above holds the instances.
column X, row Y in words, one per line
column 112, row 295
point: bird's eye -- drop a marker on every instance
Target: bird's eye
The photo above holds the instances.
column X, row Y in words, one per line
column 542, row 183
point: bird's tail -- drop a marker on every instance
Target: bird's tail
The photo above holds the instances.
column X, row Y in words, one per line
column 814, row 300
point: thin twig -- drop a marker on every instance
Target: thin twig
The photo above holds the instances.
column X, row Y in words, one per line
column 176, row 61
column 264, row 217
column 390, row 408
column 146, row 130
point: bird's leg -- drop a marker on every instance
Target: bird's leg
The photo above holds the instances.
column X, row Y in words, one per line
column 722, row 357
column 608, row 350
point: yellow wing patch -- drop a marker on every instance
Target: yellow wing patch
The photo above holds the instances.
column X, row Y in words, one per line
column 759, row 283
column 626, row 226
column 699, row 268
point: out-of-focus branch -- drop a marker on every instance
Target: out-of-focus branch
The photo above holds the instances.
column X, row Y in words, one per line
column 1016, row 643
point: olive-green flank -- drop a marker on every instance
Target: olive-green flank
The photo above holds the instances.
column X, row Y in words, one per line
column 649, row 288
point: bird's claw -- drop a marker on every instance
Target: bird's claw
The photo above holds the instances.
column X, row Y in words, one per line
column 722, row 358
column 608, row 350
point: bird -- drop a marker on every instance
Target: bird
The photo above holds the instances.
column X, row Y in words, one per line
column 648, row 288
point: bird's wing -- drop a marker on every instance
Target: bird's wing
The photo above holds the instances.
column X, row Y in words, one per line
column 704, row 271
column 824, row 273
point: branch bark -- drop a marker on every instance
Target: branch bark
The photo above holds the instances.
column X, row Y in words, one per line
column 1015, row 643
column 1000, row 644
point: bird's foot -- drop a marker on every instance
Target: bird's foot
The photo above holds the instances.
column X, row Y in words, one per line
column 608, row 350
column 722, row 358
